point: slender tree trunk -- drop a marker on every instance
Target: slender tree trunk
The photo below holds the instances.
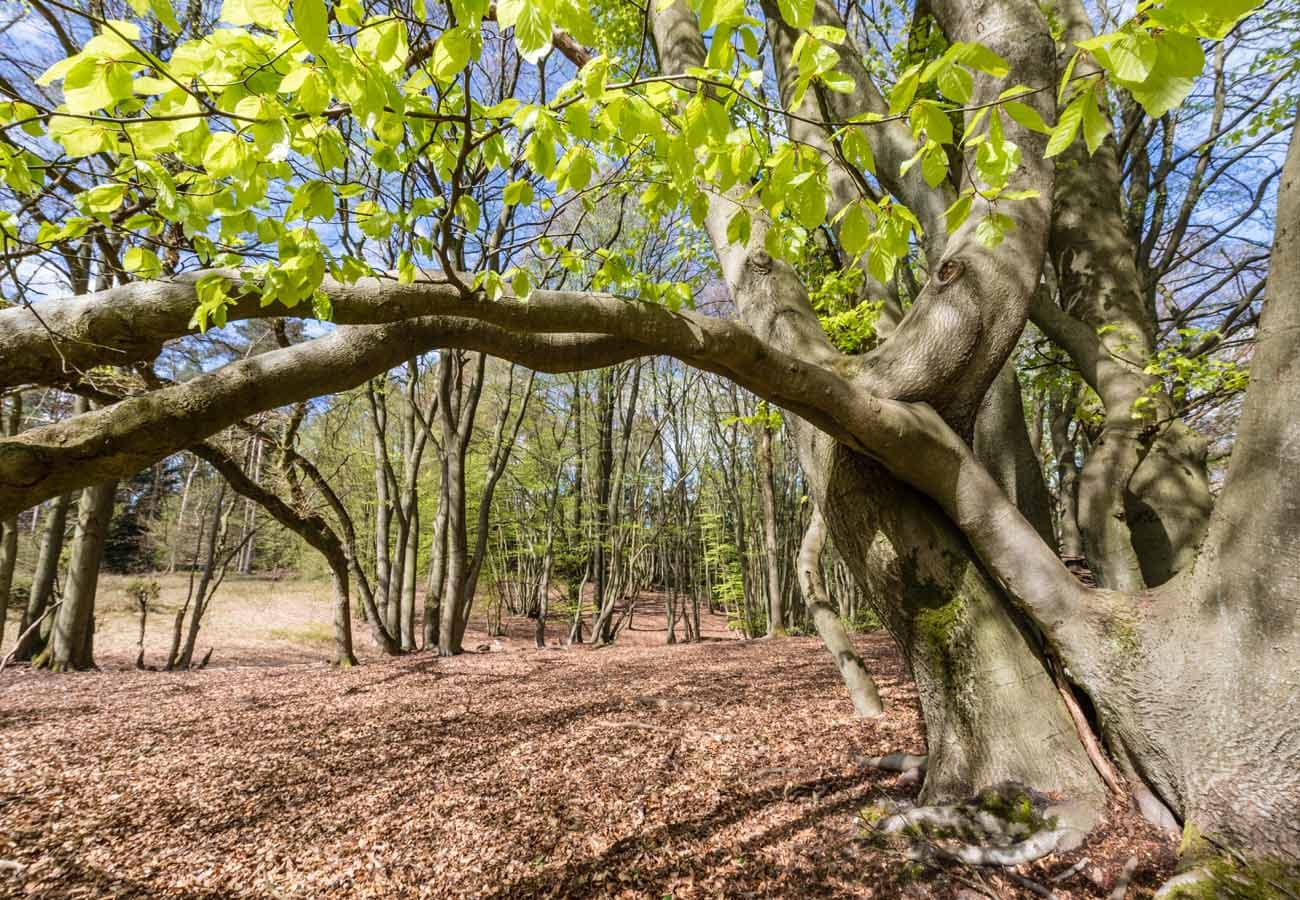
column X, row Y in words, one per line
column 604, row 473
column 247, row 538
column 44, row 578
column 8, row 560
column 410, row 576
column 1067, row 479
column 861, row 687
column 454, row 428
column 345, row 657
column 767, row 500
column 435, row 589
column 180, row 517
column 9, row 527
column 383, row 502
column 72, row 638
column 216, row 540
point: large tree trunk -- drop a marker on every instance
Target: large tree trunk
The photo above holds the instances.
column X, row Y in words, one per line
column 1144, row 498
column 71, row 644
column 1197, row 680
column 992, row 712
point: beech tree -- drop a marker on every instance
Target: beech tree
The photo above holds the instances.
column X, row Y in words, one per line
column 978, row 192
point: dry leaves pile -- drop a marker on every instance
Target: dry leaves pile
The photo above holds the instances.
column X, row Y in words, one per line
column 506, row 774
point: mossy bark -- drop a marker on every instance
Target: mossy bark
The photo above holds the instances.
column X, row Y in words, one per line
column 992, row 711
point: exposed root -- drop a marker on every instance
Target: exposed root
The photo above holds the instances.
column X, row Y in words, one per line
column 1070, row 872
column 1185, row 883
column 1004, row 826
column 670, row 702
column 894, row 762
column 1125, row 879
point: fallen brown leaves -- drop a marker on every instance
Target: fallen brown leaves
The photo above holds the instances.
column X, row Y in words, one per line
column 514, row 774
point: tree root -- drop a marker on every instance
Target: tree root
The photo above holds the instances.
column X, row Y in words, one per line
column 1070, row 872
column 1003, row 826
column 1189, row 882
column 894, row 762
column 669, row 703
column 1125, row 879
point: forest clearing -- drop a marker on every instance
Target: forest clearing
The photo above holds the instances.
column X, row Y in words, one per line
column 650, row 448
column 514, row 772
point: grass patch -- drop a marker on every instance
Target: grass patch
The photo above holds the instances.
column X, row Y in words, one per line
column 314, row 633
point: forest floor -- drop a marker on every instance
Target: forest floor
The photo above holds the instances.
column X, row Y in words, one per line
column 725, row 768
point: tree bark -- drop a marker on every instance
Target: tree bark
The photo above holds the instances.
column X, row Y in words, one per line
column 44, row 578
column 861, row 686
column 10, row 425
column 71, row 644
column 767, row 500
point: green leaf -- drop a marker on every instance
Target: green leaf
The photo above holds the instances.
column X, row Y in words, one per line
column 1095, row 125
column 518, row 193
column 738, row 228
column 857, row 150
column 993, row 228
column 224, row 155
column 313, row 94
column 855, row 229
column 451, row 54
column 956, row 214
column 1131, row 58
column 312, row 200
column 977, row 56
column 311, row 22
column 1067, row 127
column 1179, row 54
column 532, row 25
column 934, row 166
column 264, row 13
column 521, row 285
column 94, row 84
column 104, row 199
column 142, row 263
column 900, row 98
column 840, row 82
column 1026, row 116
column 1067, row 76
column 467, row 209
column 797, row 13
column 931, row 117
column 1210, row 18
column 1159, row 95
column 957, row 83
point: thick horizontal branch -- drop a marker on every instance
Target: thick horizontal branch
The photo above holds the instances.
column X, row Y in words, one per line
column 131, row 435
column 57, row 340
column 554, row 332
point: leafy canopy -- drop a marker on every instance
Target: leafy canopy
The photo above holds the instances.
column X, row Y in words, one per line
column 286, row 139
